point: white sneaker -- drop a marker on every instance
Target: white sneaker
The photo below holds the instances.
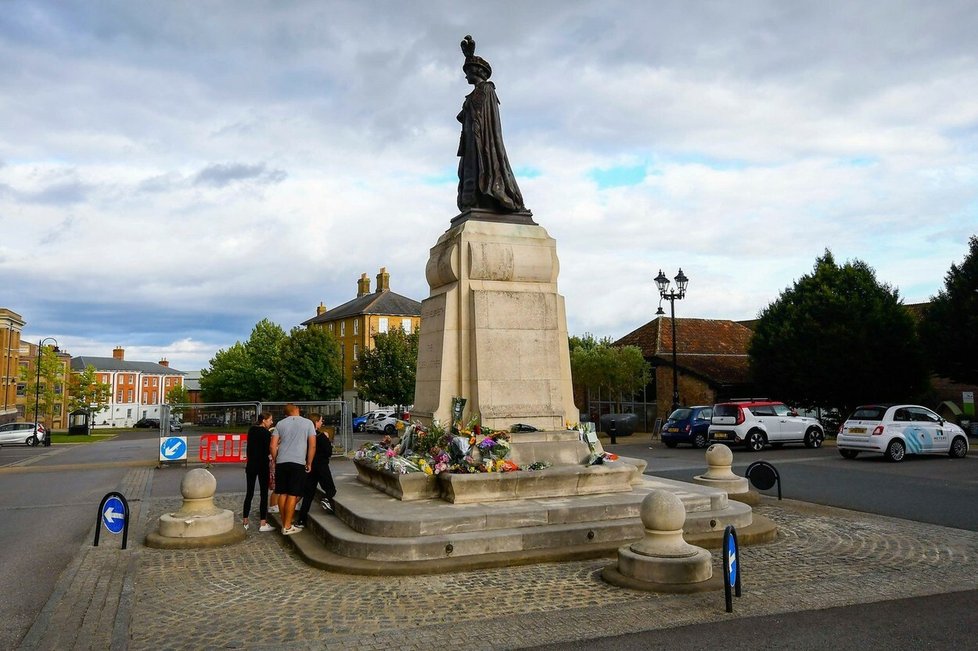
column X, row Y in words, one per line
column 273, row 509
column 266, row 527
column 291, row 530
column 245, row 525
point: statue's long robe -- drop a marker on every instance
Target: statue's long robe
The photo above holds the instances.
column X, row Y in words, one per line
column 485, row 179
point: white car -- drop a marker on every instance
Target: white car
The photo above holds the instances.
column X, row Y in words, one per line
column 898, row 430
column 374, row 416
column 756, row 423
column 23, row 433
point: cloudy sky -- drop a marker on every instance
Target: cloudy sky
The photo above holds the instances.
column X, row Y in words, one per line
column 173, row 172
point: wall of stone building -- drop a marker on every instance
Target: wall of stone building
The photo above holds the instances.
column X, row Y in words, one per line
column 692, row 390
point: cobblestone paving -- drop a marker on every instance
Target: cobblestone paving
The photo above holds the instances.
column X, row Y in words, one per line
column 259, row 594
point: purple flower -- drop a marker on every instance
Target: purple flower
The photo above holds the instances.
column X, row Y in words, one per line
column 487, row 443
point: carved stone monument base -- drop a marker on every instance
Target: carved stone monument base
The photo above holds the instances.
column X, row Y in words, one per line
column 494, row 329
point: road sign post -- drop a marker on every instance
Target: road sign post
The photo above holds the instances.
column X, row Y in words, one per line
column 731, row 565
column 173, row 449
column 113, row 514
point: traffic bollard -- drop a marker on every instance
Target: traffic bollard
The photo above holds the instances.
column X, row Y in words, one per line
column 612, row 430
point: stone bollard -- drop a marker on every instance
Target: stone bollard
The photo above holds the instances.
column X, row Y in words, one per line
column 198, row 523
column 662, row 561
column 719, row 460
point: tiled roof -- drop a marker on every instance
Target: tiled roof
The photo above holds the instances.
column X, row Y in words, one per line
column 384, row 303
column 712, row 348
column 113, row 364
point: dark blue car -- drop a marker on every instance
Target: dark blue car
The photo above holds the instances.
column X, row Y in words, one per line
column 687, row 425
column 359, row 422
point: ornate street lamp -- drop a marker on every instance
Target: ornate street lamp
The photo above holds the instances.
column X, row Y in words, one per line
column 672, row 296
column 37, row 389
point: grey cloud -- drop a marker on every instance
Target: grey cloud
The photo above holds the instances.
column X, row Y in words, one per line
column 61, row 193
column 220, row 175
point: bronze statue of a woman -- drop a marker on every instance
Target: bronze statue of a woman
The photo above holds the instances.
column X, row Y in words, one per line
column 485, row 179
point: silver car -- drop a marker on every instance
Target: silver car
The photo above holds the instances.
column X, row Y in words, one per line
column 22, row 433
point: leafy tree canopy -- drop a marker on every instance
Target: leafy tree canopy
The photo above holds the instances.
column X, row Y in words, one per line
column 229, row 377
column 177, row 395
column 263, row 349
column 308, row 365
column 386, row 373
column 52, row 379
column 837, row 338
column 949, row 329
column 86, row 392
column 600, row 366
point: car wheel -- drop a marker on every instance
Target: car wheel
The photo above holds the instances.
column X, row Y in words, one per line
column 670, row 444
column 755, row 441
column 958, row 449
column 896, row 451
column 699, row 441
column 390, row 430
column 32, row 440
column 814, row 438
column 849, row 454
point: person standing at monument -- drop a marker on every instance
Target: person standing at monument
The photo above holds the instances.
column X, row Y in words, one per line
column 320, row 475
column 485, row 179
column 257, row 468
column 293, row 447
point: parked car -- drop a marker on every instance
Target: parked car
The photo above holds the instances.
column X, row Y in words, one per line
column 756, row 423
column 22, row 433
column 373, row 416
column 688, row 425
column 147, row 422
column 359, row 422
column 388, row 424
column 897, row 430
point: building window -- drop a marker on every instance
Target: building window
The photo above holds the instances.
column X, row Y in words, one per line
column 331, row 327
column 155, row 381
column 118, row 397
column 356, row 326
column 21, row 389
column 145, row 381
column 154, row 397
column 57, row 389
column 57, row 409
column 129, row 413
column 356, row 352
column 406, row 326
column 129, row 396
column 342, row 328
column 382, row 324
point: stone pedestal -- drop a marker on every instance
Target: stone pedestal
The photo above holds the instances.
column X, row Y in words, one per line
column 719, row 460
column 198, row 523
column 662, row 561
column 494, row 328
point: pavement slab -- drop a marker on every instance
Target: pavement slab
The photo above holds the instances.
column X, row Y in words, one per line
column 259, row 594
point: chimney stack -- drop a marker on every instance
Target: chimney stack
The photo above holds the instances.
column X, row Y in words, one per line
column 165, row 362
column 119, row 353
column 320, row 309
column 383, row 280
column 363, row 285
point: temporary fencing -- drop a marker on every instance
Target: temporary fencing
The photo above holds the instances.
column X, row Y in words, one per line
column 223, row 448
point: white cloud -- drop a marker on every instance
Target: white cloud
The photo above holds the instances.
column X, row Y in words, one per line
column 183, row 171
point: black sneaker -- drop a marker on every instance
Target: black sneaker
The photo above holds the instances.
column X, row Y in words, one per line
column 327, row 506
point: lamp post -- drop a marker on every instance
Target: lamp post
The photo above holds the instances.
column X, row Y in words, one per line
column 672, row 296
column 37, row 388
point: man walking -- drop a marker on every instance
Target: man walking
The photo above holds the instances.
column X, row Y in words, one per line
column 293, row 448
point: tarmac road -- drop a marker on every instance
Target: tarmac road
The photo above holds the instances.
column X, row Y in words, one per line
column 944, row 621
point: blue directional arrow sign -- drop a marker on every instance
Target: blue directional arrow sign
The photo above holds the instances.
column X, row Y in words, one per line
column 114, row 515
column 173, row 448
column 732, row 559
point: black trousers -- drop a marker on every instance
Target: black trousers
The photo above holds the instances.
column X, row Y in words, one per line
column 251, row 474
column 322, row 477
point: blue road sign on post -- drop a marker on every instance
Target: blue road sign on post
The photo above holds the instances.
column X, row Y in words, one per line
column 731, row 565
column 173, row 448
column 113, row 514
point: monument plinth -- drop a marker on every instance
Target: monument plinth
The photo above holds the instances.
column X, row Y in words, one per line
column 494, row 328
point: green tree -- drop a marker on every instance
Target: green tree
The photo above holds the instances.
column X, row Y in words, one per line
column 228, row 379
column 52, row 379
column 837, row 338
column 177, row 395
column 86, row 392
column 386, row 373
column 308, row 366
column 263, row 348
column 949, row 328
column 599, row 366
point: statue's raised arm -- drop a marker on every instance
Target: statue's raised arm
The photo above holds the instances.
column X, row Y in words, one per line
column 485, row 179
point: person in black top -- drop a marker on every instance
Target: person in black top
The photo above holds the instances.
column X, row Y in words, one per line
column 320, row 475
column 258, row 453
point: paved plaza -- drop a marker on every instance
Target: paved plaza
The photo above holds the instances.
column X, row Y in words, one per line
column 259, row 594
